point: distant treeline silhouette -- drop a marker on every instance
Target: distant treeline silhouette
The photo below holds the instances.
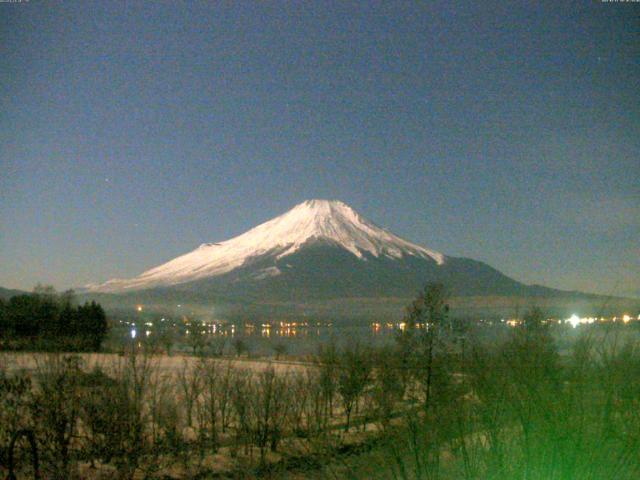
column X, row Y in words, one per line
column 48, row 320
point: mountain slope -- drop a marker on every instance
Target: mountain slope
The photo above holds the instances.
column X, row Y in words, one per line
column 322, row 271
column 309, row 222
column 318, row 250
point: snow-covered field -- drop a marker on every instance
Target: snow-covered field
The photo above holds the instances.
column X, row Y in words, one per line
column 15, row 361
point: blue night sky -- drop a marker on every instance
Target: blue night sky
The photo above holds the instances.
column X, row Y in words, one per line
column 508, row 132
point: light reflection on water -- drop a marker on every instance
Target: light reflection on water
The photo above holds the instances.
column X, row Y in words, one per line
column 300, row 331
column 300, row 338
column 283, row 330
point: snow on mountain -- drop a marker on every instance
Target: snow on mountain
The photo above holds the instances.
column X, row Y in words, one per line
column 312, row 220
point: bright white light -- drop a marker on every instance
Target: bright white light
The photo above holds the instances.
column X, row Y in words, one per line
column 574, row 320
column 133, row 333
column 626, row 318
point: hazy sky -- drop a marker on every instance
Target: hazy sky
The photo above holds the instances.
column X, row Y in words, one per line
column 508, row 132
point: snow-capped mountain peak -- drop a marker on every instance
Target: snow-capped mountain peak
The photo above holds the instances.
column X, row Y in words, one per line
column 313, row 220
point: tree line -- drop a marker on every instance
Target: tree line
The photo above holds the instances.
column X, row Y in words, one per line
column 49, row 320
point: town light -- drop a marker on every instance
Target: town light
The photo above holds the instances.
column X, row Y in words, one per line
column 574, row 320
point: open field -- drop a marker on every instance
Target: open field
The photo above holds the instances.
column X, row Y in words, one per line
column 30, row 362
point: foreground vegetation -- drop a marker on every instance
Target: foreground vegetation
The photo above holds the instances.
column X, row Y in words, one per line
column 520, row 411
column 439, row 403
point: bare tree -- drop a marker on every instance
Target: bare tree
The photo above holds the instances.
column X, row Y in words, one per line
column 190, row 386
column 425, row 320
column 353, row 377
column 128, row 437
column 315, row 412
column 388, row 388
column 216, row 345
column 300, row 392
column 208, row 371
column 224, row 395
column 327, row 362
column 269, row 403
column 240, row 346
column 241, row 392
column 56, row 406
column 197, row 339
column 279, row 349
column 167, row 339
column 16, row 399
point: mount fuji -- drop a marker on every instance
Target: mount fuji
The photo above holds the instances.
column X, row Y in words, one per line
column 318, row 250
